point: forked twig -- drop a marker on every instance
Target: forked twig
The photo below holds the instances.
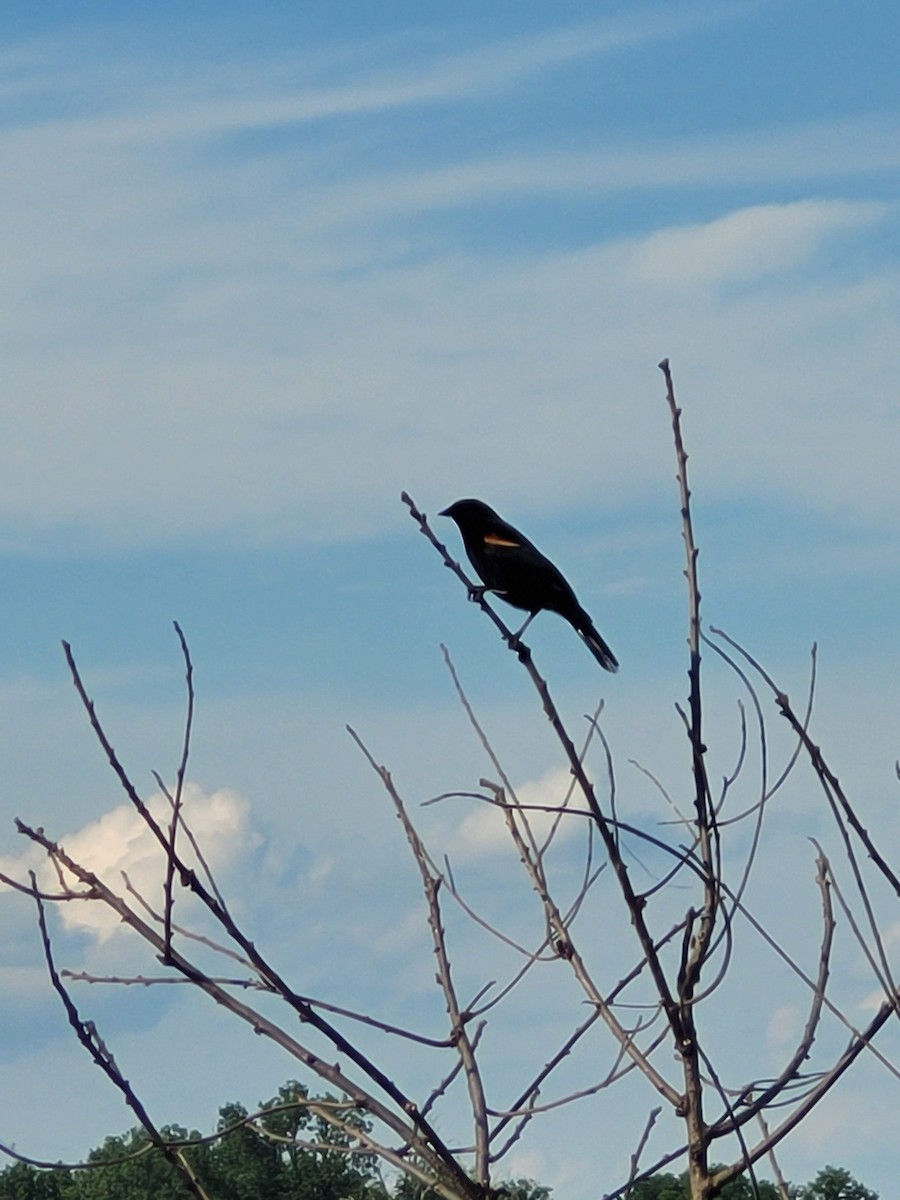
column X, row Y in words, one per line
column 88, row 1036
column 464, row 1043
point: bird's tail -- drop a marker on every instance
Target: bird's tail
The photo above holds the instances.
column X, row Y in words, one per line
column 596, row 644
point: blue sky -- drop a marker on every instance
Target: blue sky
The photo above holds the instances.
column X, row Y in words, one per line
column 263, row 271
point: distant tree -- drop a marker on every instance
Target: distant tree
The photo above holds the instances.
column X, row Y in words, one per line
column 282, row 1152
column 243, row 1165
column 136, row 1170
column 288, row 1152
column 407, row 1188
column 742, row 1189
column 22, row 1182
column 660, row 1187
column 523, row 1189
column 836, row 1183
column 514, row 1189
column 319, row 1158
column 678, row 1187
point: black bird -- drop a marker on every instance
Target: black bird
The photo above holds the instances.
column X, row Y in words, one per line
column 515, row 569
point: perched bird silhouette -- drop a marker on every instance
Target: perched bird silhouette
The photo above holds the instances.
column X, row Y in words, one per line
column 515, row 569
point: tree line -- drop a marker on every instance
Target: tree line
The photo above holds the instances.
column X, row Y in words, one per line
column 285, row 1151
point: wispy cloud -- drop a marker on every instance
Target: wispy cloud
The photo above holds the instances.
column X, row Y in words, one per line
column 749, row 243
column 249, row 382
column 808, row 153
column 250, row 326
column 460, row 76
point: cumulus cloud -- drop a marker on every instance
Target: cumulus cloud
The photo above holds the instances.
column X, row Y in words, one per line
column 485, row 832
column 119, row 843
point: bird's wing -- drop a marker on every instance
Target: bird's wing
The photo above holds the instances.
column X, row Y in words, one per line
column 502, row 539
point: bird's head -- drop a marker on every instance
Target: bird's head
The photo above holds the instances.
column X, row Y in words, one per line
column 469, row 512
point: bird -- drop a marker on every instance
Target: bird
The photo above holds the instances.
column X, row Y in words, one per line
column 511, row 566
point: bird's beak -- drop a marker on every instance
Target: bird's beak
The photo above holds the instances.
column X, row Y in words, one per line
column 444, row 512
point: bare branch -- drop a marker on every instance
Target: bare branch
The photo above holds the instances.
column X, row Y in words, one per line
column 634, row 903
column 411, row 1127
column 652, row 1118
column 87, row 1034
column 431, row 883
column 168, row 886
column 829, row 781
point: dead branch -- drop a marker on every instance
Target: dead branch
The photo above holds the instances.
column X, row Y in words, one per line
column 431, row 883
column 413, row 1129
column 88, row 1036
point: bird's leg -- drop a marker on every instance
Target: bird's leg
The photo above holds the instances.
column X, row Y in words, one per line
column 515, row 638
column 528, row 621
column 476, row 593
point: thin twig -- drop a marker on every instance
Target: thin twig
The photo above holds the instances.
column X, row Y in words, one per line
column 168, row 887
column 406, row 1121
column 830, row 783
column 652, row 1118
column 428, row 1140
column 87, row 1034
column 633, row 901
column 431, row 883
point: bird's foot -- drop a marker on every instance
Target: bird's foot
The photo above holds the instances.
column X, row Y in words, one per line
column 515, row 643
column 476, row 594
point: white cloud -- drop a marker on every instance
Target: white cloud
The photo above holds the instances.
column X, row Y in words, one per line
column 485, row 831
column 212, row 104
column 119, row 842
column 251, row 403
column 751, row 242
column 279, row 358
column 810, row 152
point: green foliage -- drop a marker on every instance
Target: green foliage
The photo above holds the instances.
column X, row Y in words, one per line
column 678, row 1187
column 410, row 1189
column 21, row 1182
column 742, row 1189
column 407, row 1188
column 290, row 1152
column 286, row 1154
column 522, row 1189
column 139, row 1170
column 831, row 1183
column 661, row 1187
column 834, row 1183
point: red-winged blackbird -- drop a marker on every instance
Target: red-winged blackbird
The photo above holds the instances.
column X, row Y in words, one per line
column 511, row 566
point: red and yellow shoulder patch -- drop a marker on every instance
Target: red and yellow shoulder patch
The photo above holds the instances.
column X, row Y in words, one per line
column 496, row 539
